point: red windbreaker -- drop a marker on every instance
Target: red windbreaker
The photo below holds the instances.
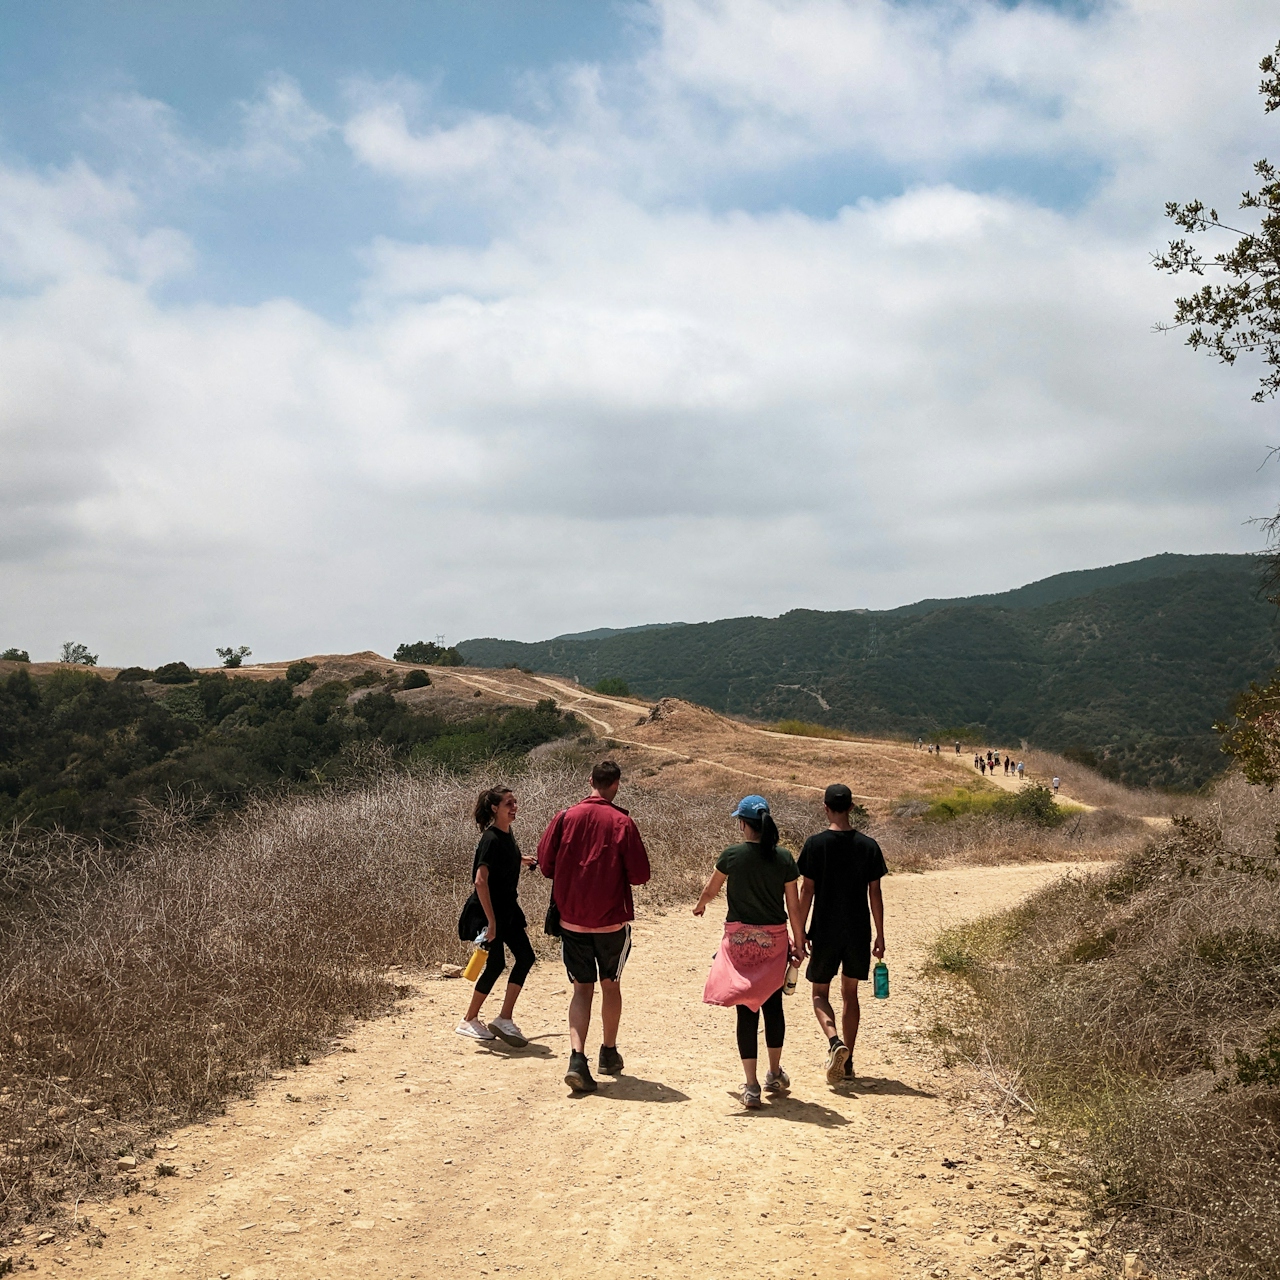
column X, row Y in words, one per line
column 593, row 854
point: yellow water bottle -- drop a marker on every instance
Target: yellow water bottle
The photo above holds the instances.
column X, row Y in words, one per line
column 479, row 958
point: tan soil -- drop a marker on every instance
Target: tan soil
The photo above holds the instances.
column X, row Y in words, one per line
column 421, row 1154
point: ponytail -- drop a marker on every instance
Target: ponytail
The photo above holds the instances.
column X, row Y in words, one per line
column 768, row 830
column 486, row 803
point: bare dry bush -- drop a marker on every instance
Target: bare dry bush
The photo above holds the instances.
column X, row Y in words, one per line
column 1120, row 1001
column 1089, row 787
column 986, row 840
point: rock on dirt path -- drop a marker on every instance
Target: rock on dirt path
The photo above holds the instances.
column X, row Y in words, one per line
column 420, row 1154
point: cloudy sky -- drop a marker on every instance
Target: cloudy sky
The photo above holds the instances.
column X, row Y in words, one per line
column 354, row 324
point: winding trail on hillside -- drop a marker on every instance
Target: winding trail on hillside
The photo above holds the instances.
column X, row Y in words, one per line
column 420, row 1154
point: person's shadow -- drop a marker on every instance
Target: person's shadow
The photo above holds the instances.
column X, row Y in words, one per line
column 637, row 1089
column 782, row 1106
column 501, row 1049
column 884, row 1087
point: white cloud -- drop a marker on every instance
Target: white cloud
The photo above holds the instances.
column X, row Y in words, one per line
column 619, row 403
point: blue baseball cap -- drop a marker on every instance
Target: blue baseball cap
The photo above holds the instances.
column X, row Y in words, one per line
column 751, row 807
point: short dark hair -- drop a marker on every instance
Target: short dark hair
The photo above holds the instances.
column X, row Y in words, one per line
column 605, row 774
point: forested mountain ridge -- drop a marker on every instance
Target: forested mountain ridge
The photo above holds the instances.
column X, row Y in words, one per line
column 1134, row 667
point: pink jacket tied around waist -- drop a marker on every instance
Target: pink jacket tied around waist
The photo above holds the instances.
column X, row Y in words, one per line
column 749, row 967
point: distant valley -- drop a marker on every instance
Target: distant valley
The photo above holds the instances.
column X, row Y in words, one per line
column 1128, row 666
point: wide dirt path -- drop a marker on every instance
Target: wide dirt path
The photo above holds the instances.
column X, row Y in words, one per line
column 420, row 1154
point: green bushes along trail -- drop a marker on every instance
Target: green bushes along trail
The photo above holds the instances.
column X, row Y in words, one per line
column 81, row 753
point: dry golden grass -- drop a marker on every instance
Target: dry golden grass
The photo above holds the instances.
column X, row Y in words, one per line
column 1117, row 1004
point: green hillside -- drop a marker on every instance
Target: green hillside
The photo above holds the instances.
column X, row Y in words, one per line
column 1133, row 663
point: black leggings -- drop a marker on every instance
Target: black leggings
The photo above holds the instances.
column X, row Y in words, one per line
column 521, row 952
column 775, row 1026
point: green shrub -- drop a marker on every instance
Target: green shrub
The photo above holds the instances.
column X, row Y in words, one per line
column 614, row 686
column 15, row 655
column 300, row 671
column 1033, row 804
column 129, row 674
column 174, row 673
column 366, row 679
column 428, row 653
column 417, row 680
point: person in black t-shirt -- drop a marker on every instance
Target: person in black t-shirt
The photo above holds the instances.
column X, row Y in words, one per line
column 496, row 874
column 841, row 870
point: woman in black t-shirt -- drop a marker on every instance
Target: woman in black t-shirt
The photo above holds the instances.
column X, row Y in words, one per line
column 496, row 874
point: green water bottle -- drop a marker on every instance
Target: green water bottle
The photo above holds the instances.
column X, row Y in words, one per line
column 881, row 979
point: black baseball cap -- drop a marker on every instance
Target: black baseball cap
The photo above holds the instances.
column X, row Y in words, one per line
column 838, row 798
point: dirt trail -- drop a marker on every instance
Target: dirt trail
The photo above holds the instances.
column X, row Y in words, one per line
column 420, row 1154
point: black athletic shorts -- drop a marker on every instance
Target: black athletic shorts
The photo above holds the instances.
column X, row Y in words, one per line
column 826, row 959
column 588, row 956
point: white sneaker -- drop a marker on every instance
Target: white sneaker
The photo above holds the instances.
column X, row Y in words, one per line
column 474, row 1030
column 507, row 1030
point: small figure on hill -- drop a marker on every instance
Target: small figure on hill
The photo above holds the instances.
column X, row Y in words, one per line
column 982, row 766
column 1021, row 767
column 750, row 968
column 842, row 870
column 957, row 746
column 592, row 854
column 1007, row 762
column 496, row 875
column 1057, row 782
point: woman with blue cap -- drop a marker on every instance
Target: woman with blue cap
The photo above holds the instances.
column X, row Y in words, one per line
column 750, row 968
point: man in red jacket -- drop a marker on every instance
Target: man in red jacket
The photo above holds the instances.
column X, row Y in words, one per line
column 593, row 854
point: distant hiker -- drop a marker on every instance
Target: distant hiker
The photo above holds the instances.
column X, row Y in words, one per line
column 989, row 759
column 982, row 766
column 1007, row 763
column 750, row 968
column 1057, row 782
column 842, row 870
column 593, row 854
column 957, row 747
column 1020, row 768
column 495, row 872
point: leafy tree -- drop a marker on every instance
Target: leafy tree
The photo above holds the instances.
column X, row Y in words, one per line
column 15, row 655
column 174, row 673
column 78, row 654
column 233, row 657
column 134, row 673
column 614, row 686
column 428, row 653
column 1242, row 315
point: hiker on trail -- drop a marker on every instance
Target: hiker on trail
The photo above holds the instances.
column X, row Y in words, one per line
column 495, row 872
column 750, row 968
column 957, row 747
column 842, row 870
column 1007, row 763
column 1057, row 782
column 593, row 854
column 982, row 766
column 1020, row 769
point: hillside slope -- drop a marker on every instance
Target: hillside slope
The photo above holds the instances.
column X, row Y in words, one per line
column 1133, row 670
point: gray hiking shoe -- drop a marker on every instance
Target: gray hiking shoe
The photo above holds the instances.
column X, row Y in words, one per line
column 778, row 1082
column 751, row 1097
